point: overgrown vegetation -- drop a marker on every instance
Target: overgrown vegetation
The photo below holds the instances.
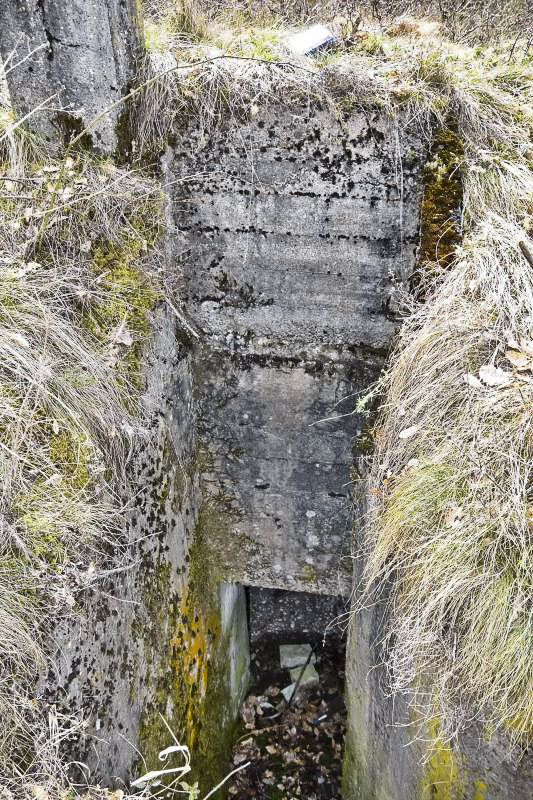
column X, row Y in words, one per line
column 79, row 273
column 449, row 527
column 470, row 21
column 449, row 541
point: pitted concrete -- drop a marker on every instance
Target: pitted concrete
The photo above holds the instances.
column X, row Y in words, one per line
column 296, row 233
column 83, row 62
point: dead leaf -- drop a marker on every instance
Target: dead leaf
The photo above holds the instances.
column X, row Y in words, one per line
column 494, row 376
column 452, row 518
column 37, row 792
column 518, row 359
column 18, row 338
column 271, row 749
column 407, row 433
column 527, row 346
column 121, row 335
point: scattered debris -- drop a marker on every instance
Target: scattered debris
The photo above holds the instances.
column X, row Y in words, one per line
column 407, row 433
column 494, row 376
column 288, row 691
column 298, row 752
column 309, row 676
column 310, row 40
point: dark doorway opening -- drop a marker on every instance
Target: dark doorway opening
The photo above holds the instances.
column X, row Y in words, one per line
column 293, row 719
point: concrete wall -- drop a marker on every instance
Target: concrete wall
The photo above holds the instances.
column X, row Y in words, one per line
column 294, row 235
column 284, row 615
column 389, row 756
column 161, row 635
column 84, row 56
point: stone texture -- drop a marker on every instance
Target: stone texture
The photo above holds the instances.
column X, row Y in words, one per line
column 84, row 61
column 295, row 655
column 144, row 635
column 388, row 757
column 294, row 236
column 283, row 615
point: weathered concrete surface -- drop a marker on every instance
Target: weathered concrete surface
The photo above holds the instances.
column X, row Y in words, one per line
column 150, row 639
column 276, row 613
column 294, row 236
column 83, row 61
column 388, row 757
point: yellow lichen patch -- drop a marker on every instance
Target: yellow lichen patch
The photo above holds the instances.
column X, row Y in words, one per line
column 191, row 648
column 192, row 685
column 480, row 790
column 442, row 779
column 190, row 639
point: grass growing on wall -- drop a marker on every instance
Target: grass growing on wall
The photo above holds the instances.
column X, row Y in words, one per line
column 79, row 276
column 449, row 537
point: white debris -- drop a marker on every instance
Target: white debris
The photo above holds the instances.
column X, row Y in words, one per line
column 309, row 677
column 295, row 655
column 310, row 40
column 288, row 691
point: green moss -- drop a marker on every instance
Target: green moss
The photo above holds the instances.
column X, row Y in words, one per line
column 44, row 532
column 440, row 232
column 70, row 454
column 309, row 574
column 204, row 575
column 192, row 688
column 51, row 511
column 183, row 640
column 372, row 44
column 262, row 43
column 354, row 783
column 128, row 294
column 422, row 495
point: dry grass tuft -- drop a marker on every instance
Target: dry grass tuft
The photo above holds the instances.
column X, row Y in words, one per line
column 79, row 270
column 449, row 536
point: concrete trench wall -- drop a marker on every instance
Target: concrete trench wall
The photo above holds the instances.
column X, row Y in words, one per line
column 156, row 637
column 390, row 757
column 294, row 238
column 390, row 754
column 237, row 480
column 83, row 60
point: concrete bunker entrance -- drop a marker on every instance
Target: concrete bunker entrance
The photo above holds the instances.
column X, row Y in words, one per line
column 293, row 718
column 294, row 233
column 293, row 238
